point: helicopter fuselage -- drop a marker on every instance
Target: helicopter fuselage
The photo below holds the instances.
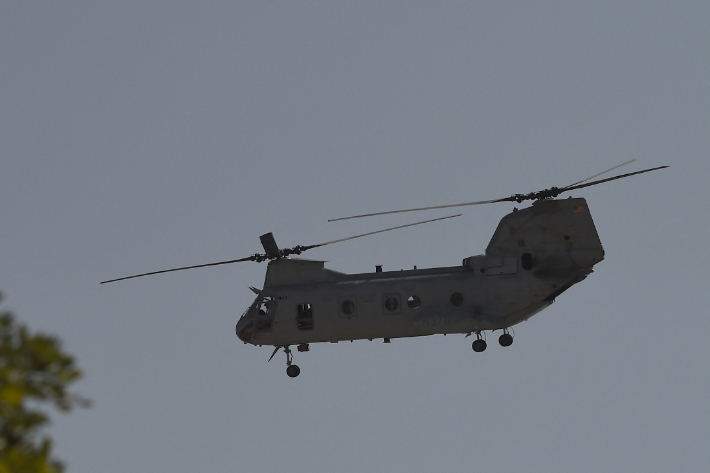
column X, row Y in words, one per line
column 535, row 254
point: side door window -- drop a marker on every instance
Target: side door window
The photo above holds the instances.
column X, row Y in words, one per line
column 304, row 316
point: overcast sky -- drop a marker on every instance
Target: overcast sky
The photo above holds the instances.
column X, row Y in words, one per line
column 138, row 136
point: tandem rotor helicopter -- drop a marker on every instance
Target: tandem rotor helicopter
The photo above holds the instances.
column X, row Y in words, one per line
column 535, row 254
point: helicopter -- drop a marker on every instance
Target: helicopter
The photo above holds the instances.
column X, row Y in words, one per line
column 535, row 254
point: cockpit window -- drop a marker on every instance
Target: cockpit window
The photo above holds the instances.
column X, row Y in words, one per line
column 267, row 305
column 265, row 314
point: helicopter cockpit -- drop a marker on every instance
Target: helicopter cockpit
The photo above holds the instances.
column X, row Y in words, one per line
column 259, row 317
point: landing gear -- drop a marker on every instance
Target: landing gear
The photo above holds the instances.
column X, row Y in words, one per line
column 479, row 344
column 506, row 339
column 291, row 370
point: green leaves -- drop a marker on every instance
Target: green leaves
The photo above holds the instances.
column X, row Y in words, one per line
column 32, row 368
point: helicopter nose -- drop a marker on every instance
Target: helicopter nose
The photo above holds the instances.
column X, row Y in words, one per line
column 244, row 329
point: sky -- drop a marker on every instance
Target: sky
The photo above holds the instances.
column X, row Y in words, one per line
column 139, row 136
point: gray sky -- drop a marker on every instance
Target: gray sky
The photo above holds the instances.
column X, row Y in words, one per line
column 137, row 136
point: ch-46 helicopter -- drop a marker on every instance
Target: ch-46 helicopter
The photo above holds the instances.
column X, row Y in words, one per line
column 535, row 254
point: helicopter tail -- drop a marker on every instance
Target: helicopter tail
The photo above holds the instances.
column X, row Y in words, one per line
column 551, row 234
column 535, row 255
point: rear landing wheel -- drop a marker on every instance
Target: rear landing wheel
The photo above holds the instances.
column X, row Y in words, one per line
column 479, row 345
column 293, row 371
column 505, row 340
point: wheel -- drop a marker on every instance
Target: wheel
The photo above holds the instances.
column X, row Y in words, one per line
column 505, row 340
column 479, row 345
column 293, row 371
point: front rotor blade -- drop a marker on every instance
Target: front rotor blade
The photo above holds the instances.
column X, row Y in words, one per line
column 250, row 258
column 593, row 183
column 385, row 230
column 420, row 208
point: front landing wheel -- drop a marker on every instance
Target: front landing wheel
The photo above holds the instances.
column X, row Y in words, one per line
column 293, row 371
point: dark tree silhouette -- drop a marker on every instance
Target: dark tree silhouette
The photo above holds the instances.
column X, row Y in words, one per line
column 33, row 368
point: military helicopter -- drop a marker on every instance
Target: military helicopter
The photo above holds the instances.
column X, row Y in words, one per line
column 535, row 254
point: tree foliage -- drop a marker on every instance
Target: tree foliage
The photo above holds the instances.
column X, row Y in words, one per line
column 34, row 371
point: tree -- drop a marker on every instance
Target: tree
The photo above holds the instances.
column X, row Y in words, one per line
column 32, row 368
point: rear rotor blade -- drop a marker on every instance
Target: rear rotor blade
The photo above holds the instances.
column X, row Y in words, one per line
column 600, row 173
column 593, row 183
column 539, row 195
column 250, row 258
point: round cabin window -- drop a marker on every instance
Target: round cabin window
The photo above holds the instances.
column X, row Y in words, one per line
column 456, row 299
column 348, row 307
column 391, row 304
column 413, row 302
